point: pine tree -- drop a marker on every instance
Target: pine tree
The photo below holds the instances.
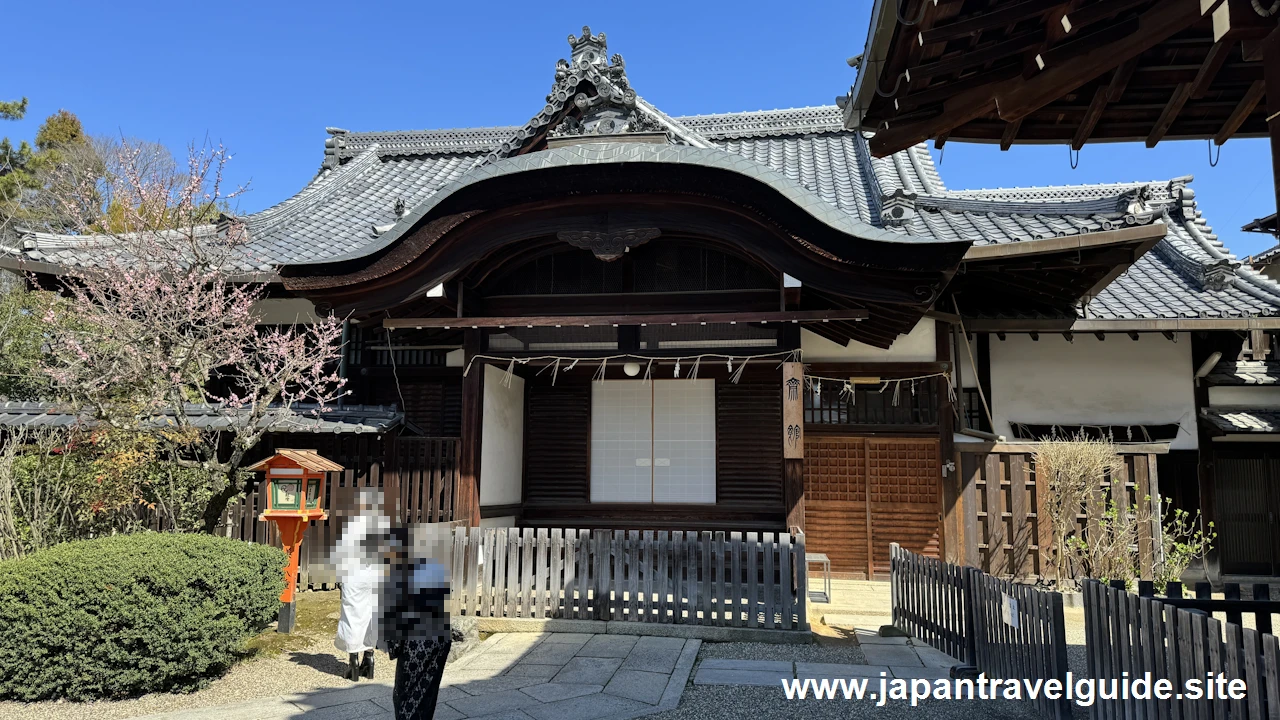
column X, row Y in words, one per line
column 23, row 168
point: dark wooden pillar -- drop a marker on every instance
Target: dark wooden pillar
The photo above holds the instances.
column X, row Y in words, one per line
column 467, row 489
column 949, row 512
column 1271, row 77
column 793, row 443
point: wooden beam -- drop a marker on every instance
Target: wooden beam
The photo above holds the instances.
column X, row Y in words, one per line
column 1271, row 76
column 1067, row 52
column 1018, row 100
column 981, row 21
column 970, row 58
column 1238, row 19
column 1010, row 134
column 1091, row 116
column 1242, row 112
column 1134, row 233
column 1097, row 12
column 792, row 316
column 1181, row 94
column 1209, row 68
column 1120, row 80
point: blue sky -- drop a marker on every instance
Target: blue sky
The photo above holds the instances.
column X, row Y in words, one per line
column 265, row 78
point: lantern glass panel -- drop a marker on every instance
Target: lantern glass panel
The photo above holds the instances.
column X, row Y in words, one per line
column 313, row 493
column 286, row 494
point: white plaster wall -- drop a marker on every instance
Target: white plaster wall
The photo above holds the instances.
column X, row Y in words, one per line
column 285, row 311
column 504, row 521
column 455, row 358
column 919, row 345
column 501, row 439
column 1245, row 395
column 1113, row 382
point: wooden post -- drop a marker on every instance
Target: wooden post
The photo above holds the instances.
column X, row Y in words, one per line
column 950, row 495
column 793, row 443
column 466, row 505
column 1271, row 77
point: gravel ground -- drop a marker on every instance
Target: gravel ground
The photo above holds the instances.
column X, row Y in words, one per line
column 845, row 654
column 314, row 668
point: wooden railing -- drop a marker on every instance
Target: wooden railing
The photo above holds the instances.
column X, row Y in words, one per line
column 997, row 627
column 736, row 580
column 424, row 470
column 1133, row 635
column 995, row 508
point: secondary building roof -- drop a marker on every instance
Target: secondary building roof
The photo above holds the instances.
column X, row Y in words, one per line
column 302, row 418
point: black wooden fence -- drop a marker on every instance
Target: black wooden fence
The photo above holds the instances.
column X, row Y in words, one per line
column 754, row 580
column 1134, row 635
column 998, row 627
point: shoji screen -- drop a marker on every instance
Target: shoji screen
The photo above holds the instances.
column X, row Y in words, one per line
column 621, row 441
column 684, row 441
column 653, row 442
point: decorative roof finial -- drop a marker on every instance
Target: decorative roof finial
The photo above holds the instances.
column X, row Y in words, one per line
column 589, row 48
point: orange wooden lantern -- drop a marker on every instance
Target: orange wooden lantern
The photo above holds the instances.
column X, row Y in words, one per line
column 294, row 496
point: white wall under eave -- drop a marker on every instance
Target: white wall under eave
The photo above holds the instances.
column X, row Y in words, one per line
column 285, row 311
column 919, row 345
column 1094, row 382
column 501, row 439
column 1264, row 396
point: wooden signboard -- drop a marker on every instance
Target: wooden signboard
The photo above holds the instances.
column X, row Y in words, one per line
column 793, row 411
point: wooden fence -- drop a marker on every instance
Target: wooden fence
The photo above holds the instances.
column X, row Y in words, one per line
column 423, row 470
column 752, row 580
column 996, row 515
column 1020, row 632
column 931, row 602
column 1000, row 628
column 1126, row 633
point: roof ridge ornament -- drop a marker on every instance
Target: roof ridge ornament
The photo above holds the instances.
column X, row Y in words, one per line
column 897, row 208
column 589, row 49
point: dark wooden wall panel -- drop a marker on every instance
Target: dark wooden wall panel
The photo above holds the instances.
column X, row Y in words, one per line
column 433, row 405
column 749, row 444
column 557, row 444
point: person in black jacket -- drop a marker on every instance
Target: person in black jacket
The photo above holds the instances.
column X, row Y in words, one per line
column 414, row 618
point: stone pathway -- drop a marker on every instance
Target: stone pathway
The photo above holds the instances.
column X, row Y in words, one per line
column 894, row 657
column 516, row 676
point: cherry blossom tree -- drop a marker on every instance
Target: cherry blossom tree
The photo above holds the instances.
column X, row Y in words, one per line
column 166, row 323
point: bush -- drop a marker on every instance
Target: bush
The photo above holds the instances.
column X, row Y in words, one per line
column 131, row 614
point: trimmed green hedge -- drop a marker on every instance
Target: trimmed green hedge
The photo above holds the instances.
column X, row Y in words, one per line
column 131, row 614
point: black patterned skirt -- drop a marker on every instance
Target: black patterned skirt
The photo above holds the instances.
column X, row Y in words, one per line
column 419, row 669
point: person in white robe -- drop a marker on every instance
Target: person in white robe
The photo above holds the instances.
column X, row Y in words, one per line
column 359, row 570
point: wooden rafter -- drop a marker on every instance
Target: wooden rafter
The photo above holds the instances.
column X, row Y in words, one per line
column 1016, row 98
column 973, row 25
column 972, row 58
column 1181, row 94
column 1091, row 116
column 1154, row 25
column 1209, row 69
column 1010, row 134
column 1242, row 111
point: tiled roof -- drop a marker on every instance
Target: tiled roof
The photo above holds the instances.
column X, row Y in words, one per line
column 1245, row 372
column 303, row 418
column 1243, row 419
column 373, row 185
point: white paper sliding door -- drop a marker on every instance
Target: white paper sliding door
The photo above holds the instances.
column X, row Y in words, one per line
column 621, row 441
column 684, row 441
column 653, row 442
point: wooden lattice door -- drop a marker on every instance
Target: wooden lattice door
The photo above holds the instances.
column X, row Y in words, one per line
column 900, row 477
